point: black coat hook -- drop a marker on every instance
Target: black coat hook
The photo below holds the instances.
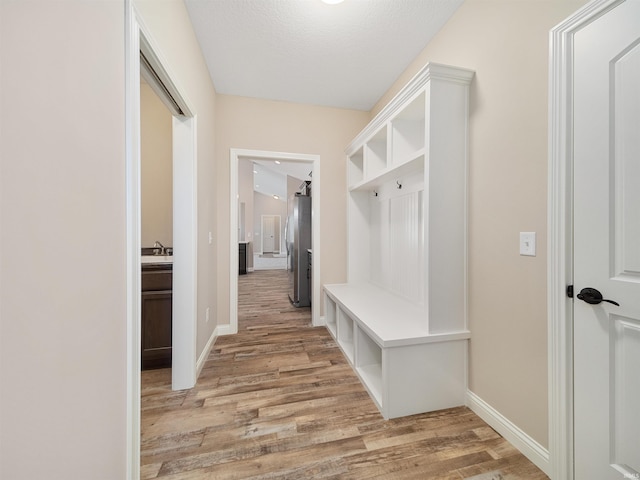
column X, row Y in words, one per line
column 399, row 184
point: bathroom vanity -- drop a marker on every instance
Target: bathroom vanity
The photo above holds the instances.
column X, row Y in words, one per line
column 156, row 306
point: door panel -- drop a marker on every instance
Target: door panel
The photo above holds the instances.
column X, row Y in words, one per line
column 607, row 245
column 267, row 234
column 626, row 155
column 625, row 392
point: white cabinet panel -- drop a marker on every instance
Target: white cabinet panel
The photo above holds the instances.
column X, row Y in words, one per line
column 405, row 247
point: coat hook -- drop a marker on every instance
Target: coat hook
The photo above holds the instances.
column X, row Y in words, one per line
column 375, row 193
column 399, row 184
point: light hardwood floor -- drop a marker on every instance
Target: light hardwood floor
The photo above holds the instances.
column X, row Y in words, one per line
column 279, row 401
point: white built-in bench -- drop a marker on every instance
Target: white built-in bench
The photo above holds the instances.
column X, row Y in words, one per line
column 385, row 338
column 401, row 318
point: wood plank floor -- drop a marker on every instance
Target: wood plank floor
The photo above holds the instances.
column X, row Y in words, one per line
column 279, row 401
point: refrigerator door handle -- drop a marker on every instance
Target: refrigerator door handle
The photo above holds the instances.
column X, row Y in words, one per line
column 286, row 234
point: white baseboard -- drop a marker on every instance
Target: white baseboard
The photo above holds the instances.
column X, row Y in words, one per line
column 523, row 442
column 206, row 351
column 321, row 322
column 225, row 330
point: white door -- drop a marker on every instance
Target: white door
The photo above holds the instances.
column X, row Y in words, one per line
column 268, row 232
column 607, row 245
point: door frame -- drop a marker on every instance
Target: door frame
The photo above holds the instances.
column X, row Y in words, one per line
column 137, row 37
column 275, row 247
column 235, row 154
column 560, row 236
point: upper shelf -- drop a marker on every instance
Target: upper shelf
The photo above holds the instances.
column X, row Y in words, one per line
column 415, row 165
column 395, row 140
column 431, row 71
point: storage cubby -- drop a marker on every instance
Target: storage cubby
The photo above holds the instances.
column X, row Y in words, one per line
column 375, row 153
column 369, row 364
column 404, row 303
column 408, row 131
column 330, row 315
column 356, row 167
column 345, row 334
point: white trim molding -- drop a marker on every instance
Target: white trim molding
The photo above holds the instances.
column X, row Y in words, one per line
column 235, row 155
column 206, row 351
column 185, row 257
column 132, row 165
column 560, row 236
column 519, row 439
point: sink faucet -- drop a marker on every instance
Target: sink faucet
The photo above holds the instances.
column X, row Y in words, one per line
column 163, row 250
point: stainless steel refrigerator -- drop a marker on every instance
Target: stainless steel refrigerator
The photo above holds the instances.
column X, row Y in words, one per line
column 298, row 239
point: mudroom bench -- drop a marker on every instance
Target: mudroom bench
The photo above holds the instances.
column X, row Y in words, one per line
column 406, row 369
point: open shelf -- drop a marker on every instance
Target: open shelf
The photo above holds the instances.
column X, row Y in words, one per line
column 375, row 154
column 345, row 334
column 369, row 364
column 411, row 166
column 408, row 131
column 371, row 377
column 330, row 315
column 356, row 167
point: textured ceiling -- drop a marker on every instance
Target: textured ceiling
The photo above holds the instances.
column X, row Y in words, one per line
column 305, row 51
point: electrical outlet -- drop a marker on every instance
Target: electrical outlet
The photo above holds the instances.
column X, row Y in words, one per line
column 528, row 244
column 210, row 238
column 207, row 314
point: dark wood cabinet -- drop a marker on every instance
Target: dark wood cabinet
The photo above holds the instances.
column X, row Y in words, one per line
column 156, row 300
column 242, row 259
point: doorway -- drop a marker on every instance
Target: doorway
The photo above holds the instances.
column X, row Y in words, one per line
column 184, row 216
column 270, row 234
column 309, row 160
column 156, row 226
column 184, row 310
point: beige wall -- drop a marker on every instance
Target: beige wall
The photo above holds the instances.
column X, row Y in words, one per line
column 171, row 31
column 156, row 169
column 63, row 188
column 287, row 127
column 63, row 270
column 506, row 43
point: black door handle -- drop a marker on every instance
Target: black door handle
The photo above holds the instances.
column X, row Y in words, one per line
column 593, row 297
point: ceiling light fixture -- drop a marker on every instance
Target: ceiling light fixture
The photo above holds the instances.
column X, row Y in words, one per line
column 277, row 162
column 332, row 2
column 276, row 197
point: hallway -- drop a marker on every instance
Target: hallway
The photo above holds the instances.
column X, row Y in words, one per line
column 279, row 401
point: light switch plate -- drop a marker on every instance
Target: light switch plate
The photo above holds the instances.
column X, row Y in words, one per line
column 528, row 244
